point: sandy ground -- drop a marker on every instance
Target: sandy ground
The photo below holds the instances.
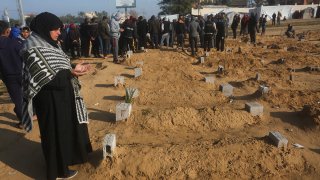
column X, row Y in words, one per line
column 184, row 128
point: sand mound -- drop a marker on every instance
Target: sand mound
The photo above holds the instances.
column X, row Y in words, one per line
column 205, row 119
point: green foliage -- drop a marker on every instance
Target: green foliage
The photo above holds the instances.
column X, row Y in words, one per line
column 182, row 7
column 129, row 95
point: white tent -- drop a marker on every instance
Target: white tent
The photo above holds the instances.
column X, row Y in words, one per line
column 170, row 17
column 285, row 10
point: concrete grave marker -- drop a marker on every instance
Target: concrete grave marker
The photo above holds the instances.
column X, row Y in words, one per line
column 123, row 111
column 278, row 139
column 226, row 89
column 220, row 69
column 142, row 48
column 263, row 89
column 118, row 80
column 210, row 79
column 291, row 77
column 130, row 52
column 137, row 72
column 254, row 108
column 109, row 145
column 201, row 60
column 229, row 50
column 207, row 54
column 258, row 77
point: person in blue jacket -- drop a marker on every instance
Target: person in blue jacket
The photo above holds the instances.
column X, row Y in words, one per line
column 11, row 66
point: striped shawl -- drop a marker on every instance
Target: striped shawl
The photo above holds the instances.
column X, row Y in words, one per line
column 41, row 63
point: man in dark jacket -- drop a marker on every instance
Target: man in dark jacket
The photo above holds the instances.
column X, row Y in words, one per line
column 93, row 33
column 74, row 41
column 209, row 30
column 85, row 38
column 165, row 32
column 252, row 27
column 180, row 30
column 234, row 25
column 104, row 36
column 221, row 33
column 154, row 29
column 142, row 29
column 11, row 67
column 128, row 35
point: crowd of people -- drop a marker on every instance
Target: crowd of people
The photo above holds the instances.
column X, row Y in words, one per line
column 100, row 38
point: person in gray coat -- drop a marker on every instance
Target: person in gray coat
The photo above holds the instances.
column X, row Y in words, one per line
column 115, row 35
column 193, row 29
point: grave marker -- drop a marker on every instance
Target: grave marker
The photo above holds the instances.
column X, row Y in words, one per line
column 210, row 79
column 137, row 72
column 109, row 145
column 220, row 69
column 118, row 80
column 278, row 139
column 254, row 108
column 258, row 77
column 123, row 111
column 201, row 60
column 226, row 89
column 263, row 89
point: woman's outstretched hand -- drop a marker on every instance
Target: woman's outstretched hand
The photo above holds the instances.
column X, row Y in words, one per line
column 81, row 69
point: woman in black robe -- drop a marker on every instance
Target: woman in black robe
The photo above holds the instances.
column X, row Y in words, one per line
column 52, row 88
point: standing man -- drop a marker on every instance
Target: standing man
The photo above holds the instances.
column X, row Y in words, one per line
column 180, row 30
column 104, row 36
column 115, row 35
column 209, row 30
column 252, row 27
column 264, row 25
column 142, row 29
column 234, row 25
column 93, row 32
column 11, row 67
column 221, row 33
column 279, row 18
column 85, row 38
column 194, row 29
column 165, row 32
column 274, row 19
column 154, row 29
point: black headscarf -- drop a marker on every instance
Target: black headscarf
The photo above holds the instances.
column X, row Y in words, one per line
column 45, row 22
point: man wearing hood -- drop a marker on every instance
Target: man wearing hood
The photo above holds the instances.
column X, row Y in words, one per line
column 142, row 29
column 115, row 35
column 194, row 29
column 154, row 28
column 252, row 26
column 11, row 66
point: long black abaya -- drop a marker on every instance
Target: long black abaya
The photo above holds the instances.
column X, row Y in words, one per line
column 64, row 141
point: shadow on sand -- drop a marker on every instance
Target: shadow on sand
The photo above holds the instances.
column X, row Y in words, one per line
column 102, row 115
column 22, row 154
column 295, row 119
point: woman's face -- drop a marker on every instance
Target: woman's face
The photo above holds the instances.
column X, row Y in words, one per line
column 55, row 34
